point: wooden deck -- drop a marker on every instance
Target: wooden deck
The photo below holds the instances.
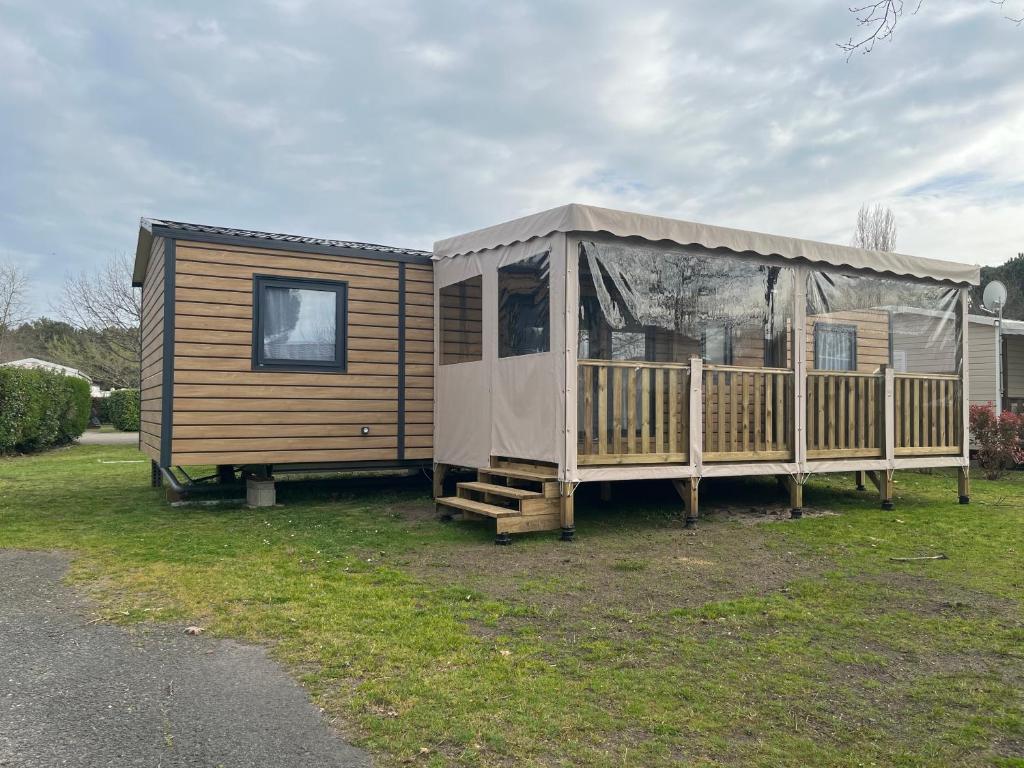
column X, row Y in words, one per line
column 649, row 413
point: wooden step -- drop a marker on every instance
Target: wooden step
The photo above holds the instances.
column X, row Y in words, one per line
column 500, row 490
column 518, row 474
column 478, row 507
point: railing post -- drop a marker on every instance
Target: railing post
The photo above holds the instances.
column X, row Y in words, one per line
column 890, row 416
column 696, row 442
column 800, row 371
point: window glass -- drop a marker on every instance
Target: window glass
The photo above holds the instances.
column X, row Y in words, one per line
column 629, row 345
column 717, row 346
column 462, row 321
column 524, row 318
column 835, row 347
column 682, row 303
column 869, row 321
column 299, row 323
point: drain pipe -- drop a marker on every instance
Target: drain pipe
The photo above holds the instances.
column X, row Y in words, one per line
column 176, row 487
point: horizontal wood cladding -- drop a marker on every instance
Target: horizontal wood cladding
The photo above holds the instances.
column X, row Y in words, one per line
column 151, row 374
column 226, row 412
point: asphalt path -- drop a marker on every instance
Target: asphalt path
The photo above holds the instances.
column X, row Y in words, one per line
column 79, row 692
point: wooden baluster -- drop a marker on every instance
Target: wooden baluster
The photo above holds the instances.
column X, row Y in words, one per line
column 645, row 399
column 602, row 409
column 631, row 410
column 851, row 413
column 943, row 410
column 934, row 410
column 684, row 409
column 783, row 416
column 732, row 411
column 821, row 412
column 841, row 438
column 872, row 413
column 758, row 378
column 616, row 410
column 908, row 409
column 709, row 398
column 721, row 403
column 588, row 410
column 673, row 411
column 769, row 416
column 745, row 415
column 915, row 412
column 861, row 413
column 659, row 410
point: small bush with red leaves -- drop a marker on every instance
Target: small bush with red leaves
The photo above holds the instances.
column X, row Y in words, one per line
column 1000, row 441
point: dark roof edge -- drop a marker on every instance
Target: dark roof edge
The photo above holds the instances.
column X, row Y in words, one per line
column 150, row 228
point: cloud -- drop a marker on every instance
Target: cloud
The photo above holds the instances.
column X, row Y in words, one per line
column 400, row 122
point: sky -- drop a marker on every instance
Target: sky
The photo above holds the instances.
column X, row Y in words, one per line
column 406, row 122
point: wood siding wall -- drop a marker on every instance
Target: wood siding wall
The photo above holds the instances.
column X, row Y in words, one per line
column 226, row 413
column 151, row 380
column 981, row 350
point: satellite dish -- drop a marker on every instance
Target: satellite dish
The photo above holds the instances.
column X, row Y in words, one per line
column 994, row 297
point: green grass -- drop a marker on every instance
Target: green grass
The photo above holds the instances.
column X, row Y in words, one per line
column 755, row 642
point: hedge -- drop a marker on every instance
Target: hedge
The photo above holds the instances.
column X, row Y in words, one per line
column 40, row 409
column 123, row 407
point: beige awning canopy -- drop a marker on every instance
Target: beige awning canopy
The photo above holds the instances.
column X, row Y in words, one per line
column 591, row 219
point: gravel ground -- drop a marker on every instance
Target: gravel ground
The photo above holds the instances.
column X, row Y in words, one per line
column 75, row 693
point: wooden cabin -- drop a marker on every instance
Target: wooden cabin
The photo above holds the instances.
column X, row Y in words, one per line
column 583, row 345
column 274, row 352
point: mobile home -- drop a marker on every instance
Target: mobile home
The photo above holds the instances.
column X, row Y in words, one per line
column 583, row 344
column 984, row 351
column 273, row 352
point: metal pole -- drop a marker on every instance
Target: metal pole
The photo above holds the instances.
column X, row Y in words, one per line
column 999, row 362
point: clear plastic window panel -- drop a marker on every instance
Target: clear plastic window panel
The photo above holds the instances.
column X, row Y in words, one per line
column 524, row 316
column 461, row 330
column 857, row 326
column 645, row 303
column 862, row 322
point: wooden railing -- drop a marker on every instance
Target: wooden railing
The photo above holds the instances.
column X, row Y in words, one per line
column 633, row 412
column 927, row 414
column 845, row 414
column 748, row 413
column 639, row 413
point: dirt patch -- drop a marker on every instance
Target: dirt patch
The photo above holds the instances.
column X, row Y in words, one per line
column 631, row 563
column 414, row 511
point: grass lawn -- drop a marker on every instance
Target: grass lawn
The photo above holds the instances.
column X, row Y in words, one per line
column 757, row 641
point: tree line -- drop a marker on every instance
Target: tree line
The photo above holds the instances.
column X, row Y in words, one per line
column 94, row 328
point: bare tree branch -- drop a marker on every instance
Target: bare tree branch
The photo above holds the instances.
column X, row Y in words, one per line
column 878, row 20
column 876, row 229
column 105, row 304
column 1018, row 20
column 13, row 300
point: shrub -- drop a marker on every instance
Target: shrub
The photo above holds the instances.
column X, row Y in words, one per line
column 999, row 440
column 40, row 409
column 123, row 407
column 101, row 409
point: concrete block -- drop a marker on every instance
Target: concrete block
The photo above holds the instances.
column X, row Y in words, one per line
column 260, row 493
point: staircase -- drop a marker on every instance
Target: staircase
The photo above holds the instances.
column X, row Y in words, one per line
column 519, row 496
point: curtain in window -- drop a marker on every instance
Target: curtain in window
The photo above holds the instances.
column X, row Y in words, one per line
column 835, row 349
column 299, row 324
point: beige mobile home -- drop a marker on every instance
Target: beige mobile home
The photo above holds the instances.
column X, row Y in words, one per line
column 589, row 345
column 275, row 352
column 984, row 350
